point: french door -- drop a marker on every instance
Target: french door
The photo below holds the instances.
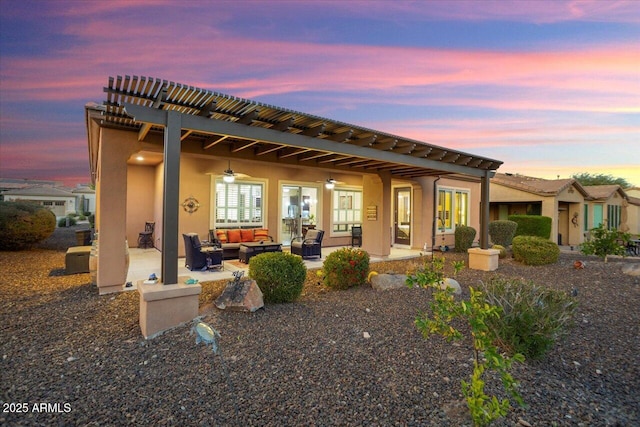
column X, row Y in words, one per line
column 298, row 211
column 402, row 216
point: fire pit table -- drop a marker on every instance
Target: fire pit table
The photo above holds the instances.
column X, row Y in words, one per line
column 249, row 249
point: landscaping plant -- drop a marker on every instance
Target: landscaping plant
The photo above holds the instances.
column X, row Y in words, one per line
column 605, row 242
column 345, row 268
column 533, row 250
column 23, row 224
column 532, row 225
column 532, row 317
column 502, row 232
column 464, row 237
column 279, row 275
column 483, row 408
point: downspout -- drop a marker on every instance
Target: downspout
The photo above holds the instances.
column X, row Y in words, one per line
column 435, row 214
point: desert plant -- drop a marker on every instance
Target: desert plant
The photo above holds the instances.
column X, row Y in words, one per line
column 483, row 408
column 605, row 242
column 532, row 317
column 345, row 268
column 532, row 250
column 502, row 232
column 464, row 237
column 502, row 249
column 279, row 275
column 532, row 225
column 23, row 224
column 66, row 221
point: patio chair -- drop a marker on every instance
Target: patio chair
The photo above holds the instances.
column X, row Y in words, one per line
column 145, row 238
column 309, row 246
column 196, row 258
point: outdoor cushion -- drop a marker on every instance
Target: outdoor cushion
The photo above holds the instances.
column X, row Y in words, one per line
column 222, row 236
column 260, row 234
column 234, row 236
column 246, row 235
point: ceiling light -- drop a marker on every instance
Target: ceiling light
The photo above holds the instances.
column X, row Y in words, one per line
column 229, row 176
column 139, row 158
column 330, row 184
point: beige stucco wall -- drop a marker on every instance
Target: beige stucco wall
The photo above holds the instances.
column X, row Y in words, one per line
column 140, row 200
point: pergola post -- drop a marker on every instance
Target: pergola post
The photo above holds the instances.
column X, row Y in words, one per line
column 170, row 203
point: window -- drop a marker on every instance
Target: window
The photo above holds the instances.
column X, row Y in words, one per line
column 347, row 209
column 613, row 216
column 453, row 208
column 238, row 203
column 597, row 216
column 586, row 218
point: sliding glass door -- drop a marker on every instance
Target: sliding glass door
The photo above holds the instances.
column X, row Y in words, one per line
column 298, row 211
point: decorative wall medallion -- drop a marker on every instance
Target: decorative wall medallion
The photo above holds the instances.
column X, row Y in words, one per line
column 190, row 204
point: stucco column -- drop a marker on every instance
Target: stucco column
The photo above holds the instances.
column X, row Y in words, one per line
column 376, row 234
column 484, row 211
column 112, row 204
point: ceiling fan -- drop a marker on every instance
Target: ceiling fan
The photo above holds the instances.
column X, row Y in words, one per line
column 330, row 183
column 230, row 176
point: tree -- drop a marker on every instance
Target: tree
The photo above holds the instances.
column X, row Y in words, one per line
column 586, row 178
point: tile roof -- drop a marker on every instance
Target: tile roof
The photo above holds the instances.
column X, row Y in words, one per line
column 540, row 186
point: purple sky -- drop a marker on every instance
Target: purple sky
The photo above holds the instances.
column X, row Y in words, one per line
column 549, row 87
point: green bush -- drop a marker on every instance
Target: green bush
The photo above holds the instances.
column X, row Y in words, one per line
column 464, row 237
column 502, row 249
column 279, row 275
column 532, row 225
column 502, row 232
column 62, row 222
column 533, row 250
column 345, row 268
column 532, row 318
column 23, row 224
column 603, row 242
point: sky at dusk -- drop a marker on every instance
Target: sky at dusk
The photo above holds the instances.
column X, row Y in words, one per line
column 551, row 88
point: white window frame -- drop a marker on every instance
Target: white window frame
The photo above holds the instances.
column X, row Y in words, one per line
column 352, row 216
column 215, row 180
column 453, row 191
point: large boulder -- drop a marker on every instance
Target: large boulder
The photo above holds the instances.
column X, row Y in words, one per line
column 385, row 282
column 240, row 295
column 631, row 269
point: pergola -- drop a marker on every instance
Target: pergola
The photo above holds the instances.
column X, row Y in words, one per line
column 221, row 125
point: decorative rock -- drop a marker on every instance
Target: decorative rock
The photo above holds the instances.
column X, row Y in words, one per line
column 385, row 282
column 631, row 269
column 241, row 296
column 451, row 283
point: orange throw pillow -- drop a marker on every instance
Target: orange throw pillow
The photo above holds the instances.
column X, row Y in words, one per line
column 260, row 234
column 247, row 235
column 221, row 235
column 234, row 236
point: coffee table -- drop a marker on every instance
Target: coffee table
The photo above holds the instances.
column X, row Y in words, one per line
column 249, row 249
column 215, row 255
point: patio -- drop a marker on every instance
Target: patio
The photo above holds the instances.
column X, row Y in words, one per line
column 143, row 262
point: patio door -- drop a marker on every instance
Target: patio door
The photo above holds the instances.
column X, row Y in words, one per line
column 402, row 216
column 299, row 210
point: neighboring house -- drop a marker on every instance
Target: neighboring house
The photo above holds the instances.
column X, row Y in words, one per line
column 606, row 206
column 16, row 184
column 562, row 200
column 61, row 202
column 633, row 195
column 164, row 152
column 85, row 199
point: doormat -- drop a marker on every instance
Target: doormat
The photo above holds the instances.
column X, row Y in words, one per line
column 237, row 264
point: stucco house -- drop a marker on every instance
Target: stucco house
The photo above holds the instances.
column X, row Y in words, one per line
column 61, row 202
column 563, row 200
column 164, row 152
column 609, row 205
column 85, row 198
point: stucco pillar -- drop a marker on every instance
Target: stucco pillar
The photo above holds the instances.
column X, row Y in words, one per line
column 115, row 149
column 376, row 233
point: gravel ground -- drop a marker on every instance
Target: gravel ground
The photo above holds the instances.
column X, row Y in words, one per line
column 306, row 363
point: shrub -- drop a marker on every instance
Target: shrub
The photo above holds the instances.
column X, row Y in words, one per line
column 279, row 275
column 23, row 224
column 502, row 232
column 532, row 250
column 345, row 268
column 502, row 249
column 605, row 242
column 532, row 318
column 532, row 225
column 464, row 237
column 62, row 222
